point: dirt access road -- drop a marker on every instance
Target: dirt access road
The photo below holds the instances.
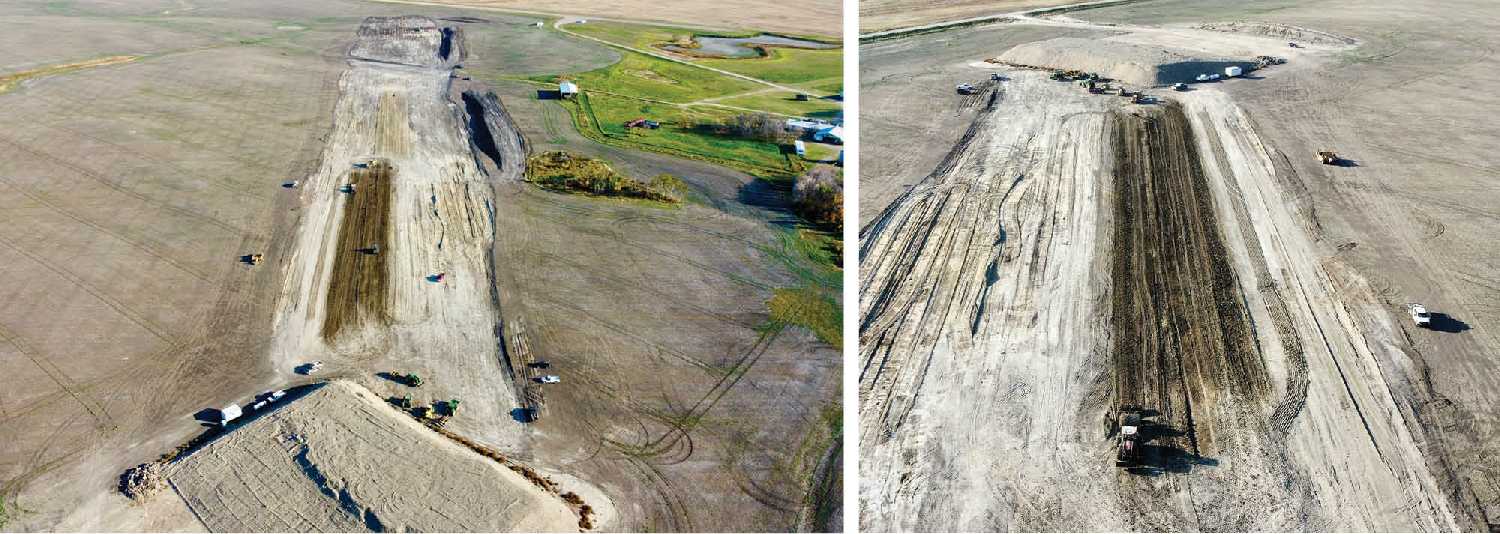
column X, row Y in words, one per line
column 1074, row 254
column 815, row 17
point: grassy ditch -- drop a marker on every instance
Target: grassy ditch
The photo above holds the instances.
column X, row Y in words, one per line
column 563, row 171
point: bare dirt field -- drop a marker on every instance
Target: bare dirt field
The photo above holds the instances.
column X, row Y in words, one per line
column 341, row 459
column 657, row 316
column 877, row 15
column 1073, row 254
column 139, row 185
column 812, row 17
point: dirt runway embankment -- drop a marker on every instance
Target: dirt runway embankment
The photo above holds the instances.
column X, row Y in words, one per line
column 1181, row 337
column 1076, row 254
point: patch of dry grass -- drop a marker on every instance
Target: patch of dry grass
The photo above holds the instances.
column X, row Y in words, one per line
column 10, row 81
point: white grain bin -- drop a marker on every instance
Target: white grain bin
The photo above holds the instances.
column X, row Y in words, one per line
column 1231, row 72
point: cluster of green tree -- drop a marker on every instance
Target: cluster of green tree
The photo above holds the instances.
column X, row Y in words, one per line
column 755, row 126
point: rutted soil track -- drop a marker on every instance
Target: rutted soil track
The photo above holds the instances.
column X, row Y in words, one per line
column 1182, row 338
column 358, row 289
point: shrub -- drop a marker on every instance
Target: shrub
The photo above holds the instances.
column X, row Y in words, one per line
column 564, row 171
column 818, row 196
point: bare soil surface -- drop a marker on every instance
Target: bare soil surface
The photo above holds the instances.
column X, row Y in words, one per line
column 132, row 191
column 876, row 15
column 139, row 185
column 1222, row 284
column 342, row 459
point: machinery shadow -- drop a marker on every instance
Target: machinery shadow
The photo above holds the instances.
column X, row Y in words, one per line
column 1158, row 456
column 1442, row 322
column 1157, row 460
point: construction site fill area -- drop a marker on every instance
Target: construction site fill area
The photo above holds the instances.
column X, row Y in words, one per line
column 1077, row 258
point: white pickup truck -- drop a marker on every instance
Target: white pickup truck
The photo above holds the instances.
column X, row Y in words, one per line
column 1419, row 315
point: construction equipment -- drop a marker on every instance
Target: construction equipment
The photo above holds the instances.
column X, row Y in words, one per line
column 994, row 76
column 549, row 379
column 1128, row 440
column 252, row 259
column 310, row 367
column 1327, row 157
column 412, row 380
column 448, row 408
column 1419, row 315
column 229, row 413
column 966, row 89
column 404, row 402
column 1140, row 98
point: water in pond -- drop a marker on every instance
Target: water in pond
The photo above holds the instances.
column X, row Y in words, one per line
column 743, row 47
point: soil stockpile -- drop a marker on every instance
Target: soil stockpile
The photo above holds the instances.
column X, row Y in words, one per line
column 1130, row 63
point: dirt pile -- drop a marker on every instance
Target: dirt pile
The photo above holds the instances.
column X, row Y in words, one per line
column 409, row 40
column 1135, row 64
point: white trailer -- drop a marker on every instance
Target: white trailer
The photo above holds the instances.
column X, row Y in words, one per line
column 229, row 413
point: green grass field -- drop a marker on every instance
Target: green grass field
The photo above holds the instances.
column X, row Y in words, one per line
column 785, row 103
column 791, row 66
column 644, row 76
column 602, row 118
column 643, row 86
column 816, row 70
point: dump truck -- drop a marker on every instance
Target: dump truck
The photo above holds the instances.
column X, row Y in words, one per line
column 1327, row 157
column 252, row 259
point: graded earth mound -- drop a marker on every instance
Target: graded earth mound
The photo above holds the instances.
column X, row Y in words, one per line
column 342, row 460
column 1279, row 31
column 1131, row 63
